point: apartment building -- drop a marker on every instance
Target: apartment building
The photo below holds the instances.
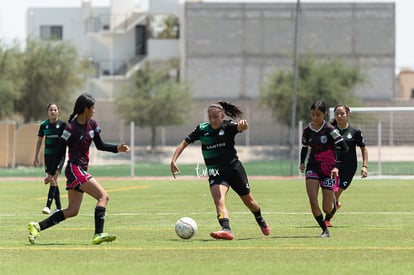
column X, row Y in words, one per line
column 113, row 39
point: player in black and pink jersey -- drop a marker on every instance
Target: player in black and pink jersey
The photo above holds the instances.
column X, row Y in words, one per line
column 78, row 135
column 327, row 149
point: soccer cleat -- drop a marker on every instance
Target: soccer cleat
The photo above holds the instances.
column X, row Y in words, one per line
column 34, row 230
column 46, row 210
column 328, row 223
column 325, row 234
column 265, row 228
column 103, row 237
column 222, row 235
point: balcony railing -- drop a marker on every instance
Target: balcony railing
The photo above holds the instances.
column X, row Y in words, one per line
column 117, row 67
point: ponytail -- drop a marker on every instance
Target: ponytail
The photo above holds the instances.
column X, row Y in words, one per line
column 229, row 109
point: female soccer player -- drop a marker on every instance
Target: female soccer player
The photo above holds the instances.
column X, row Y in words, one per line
column 51, row 129
column 78, row 135
column 324, row 159
column 224, row 168
column 353, row 137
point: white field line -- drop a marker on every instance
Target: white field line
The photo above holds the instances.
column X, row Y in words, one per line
column 213, row 213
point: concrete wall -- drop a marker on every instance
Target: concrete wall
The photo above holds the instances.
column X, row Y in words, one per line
column 230, row 48
column 406, row 84
column 7, row 143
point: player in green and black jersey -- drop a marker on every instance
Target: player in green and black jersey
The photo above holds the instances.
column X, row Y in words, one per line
column 353, row 138
column 51, row 129
column 223, row 165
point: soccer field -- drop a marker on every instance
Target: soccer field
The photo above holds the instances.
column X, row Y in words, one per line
column 372, row 234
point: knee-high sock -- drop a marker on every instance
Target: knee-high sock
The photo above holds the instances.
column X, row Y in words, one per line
column 57, row 198
column 99, row 219
column 321, row 222
column 54, row 219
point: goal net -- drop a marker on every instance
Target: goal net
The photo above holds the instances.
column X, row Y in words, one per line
column 389, row 137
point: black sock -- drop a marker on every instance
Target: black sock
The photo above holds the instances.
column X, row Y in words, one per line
column 57, row 198
column 259, row 219
column 56, row 218
column 321, row 222
column 99, row 219
column 50, row 196
column 332, row 213
column 225, row 224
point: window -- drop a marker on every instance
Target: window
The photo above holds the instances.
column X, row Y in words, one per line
column 51, row 32
column 164, row 26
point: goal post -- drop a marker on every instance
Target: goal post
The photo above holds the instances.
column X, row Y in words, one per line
column 389, row 137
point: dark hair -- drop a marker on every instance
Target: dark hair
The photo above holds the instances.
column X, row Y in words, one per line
column 319, row 105
column 229, row 109
column 347, row 109
column 85, row 100
column 50, row 104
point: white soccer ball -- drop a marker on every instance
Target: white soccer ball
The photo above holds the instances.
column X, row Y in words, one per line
column 186, row 228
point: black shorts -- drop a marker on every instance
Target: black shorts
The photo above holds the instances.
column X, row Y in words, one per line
column 234, row 176
column 50, row 163
column 346, row 175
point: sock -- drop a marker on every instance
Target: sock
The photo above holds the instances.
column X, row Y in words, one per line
column 259, row 219
column 99, row 219
column 56, row 218
column 225, row 224
column 332, row 213
column 50, row 196
column 320, row 221
column 57, row 198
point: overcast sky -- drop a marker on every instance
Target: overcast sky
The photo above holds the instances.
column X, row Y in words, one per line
column 12, row 20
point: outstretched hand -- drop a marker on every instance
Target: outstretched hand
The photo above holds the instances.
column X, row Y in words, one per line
column 242, row 125
column 123, row 148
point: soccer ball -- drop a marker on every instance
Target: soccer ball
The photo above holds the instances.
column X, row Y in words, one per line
column 185, row 228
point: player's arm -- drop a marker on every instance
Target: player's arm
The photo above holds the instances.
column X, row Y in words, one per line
column 173, row 165
column 103, row 146
column 303, row 153
column 364, row 169
column 36, row 161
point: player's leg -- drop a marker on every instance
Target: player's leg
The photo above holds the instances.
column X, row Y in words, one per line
column 254, row 207
column 344, row 183
column 218, row 193
column 74, row 199
column 312, row 189
column 56, row 193
column 50, row 194
column 237, row 176
column 93, row 188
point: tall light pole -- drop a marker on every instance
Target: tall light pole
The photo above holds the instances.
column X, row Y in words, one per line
column 292, row 137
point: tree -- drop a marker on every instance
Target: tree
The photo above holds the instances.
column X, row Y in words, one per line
column 155, row 99
column 10, row 78
column 51, row 70
column 331, row 81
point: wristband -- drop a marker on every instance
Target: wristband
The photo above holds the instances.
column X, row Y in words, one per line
column 364, row 166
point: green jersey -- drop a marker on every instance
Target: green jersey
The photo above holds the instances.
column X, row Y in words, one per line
column 52, row 133
column 217, row 145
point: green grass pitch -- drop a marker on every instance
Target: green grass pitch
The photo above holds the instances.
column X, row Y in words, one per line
column 373, row 232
